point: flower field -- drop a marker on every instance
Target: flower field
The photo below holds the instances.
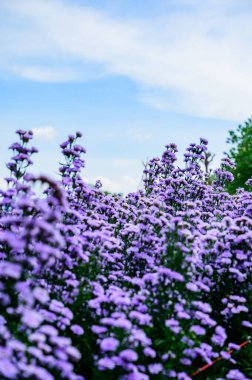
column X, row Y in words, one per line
column 96, row 286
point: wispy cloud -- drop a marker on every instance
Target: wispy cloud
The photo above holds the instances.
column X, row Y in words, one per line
column 44, row 133
column 46, row 74
column 116, row 174
column 197, row 61
column 124, row 184
column 138, row 135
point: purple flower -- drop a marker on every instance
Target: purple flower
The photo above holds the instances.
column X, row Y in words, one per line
column 225, row 355
column 219, row 337
column 203, row 141
column 123, row 323
column 125, row 270
column 41, row 295
column 76, row 329
column 109, row 344
column 98, row 329
column 173, row 325
column 73, row 352
column 233, row 346
column 56, row 306
column 183, row 376
column 7, row 369
column 42, row 373
column 32, row 318
column 183, row 315
column 155, row 368
column 48, row 330
column 185, row 361
column 16, row 345
column 205, row 307
column 171, row 274
column 8, row 269
column 148, row 351
column 143, row 319
column 171, row 322
column 246, row 324
column 198, row 330
column 137, row 376
column 105, row 363
column 151, row 277
column 128, row 355
column 191, row 286
column 235, row 374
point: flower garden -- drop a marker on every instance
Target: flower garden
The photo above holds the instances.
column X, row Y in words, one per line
column 96, row 286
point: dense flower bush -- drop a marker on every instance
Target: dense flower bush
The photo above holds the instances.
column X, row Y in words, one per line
column 153, row 285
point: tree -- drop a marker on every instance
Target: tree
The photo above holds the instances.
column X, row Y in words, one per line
column 241, row 154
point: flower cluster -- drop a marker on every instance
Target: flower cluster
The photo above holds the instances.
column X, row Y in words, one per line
column 152, row 285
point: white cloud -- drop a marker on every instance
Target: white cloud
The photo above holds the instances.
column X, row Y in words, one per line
column 44, row 133
column 138, row 135
column 46, row 74
column 197, row 61
column 117, row 175
column 123, row 163
column 123, row 184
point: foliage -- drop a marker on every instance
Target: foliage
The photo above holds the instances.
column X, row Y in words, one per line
column 241, row 154
column 150, row 286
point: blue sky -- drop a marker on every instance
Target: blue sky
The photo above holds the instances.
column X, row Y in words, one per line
column 131, row 75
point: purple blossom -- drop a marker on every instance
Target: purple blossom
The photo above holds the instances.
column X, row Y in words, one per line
column 148, row 351
column 220, row 336
column 123, row 323
column 10, row 270
column 106, row 363
column 143, row 319
column 48, row 330
column 131, row 272
column 128, row 355
column 191, row 286
column 225, row 355
column 183, row 376
column 198, row 330
column 7, row 369
column 173, row 325
column 138, row 376
column 155, row 368
column 235, row 374
column 171, row 274
column 73, row 352
column 185, row 361
column 109, row 344
column 247, row 324
column 32, row 318
column 76, row 329
column 41, row 295
column 233, row 346
column 99, row 329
